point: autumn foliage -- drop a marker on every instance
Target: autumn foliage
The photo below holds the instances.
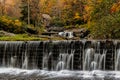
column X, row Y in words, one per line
column 11, row 25
column 100, row 17
column 115, row 7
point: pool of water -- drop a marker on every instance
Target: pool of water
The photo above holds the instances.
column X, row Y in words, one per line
column 15, row 73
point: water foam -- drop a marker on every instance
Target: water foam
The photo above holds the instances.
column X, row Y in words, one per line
column 63, row 73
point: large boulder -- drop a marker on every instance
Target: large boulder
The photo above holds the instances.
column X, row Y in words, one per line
column 46, row 19
column 4, row 33
column 46, row 16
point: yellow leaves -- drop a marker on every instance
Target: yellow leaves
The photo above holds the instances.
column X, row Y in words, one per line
column 74, row 1
column 77, row 16
column 88, row 11
column 8, row 21
column 87, row 8
column 92, row 1
column 3, row 19
column 10, row 24
column 18, row 23
column 99, row 1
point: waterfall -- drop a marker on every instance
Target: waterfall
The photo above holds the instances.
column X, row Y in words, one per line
column 60, row 55
column 102, row 60
column 45, row 62
column 117, row 65
column 4, row 51
column 60, row 65
column 88, row 58
column 70, row 61
column 66, row 61
column 25, row 63
column 93, row 65
column 13, row 61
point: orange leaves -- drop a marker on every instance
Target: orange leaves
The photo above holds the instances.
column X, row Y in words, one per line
column 115, row 7
column 88, row 9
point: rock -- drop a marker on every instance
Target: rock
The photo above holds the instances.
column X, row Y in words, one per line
column 55, row 29
column 4, row 33
column 31, row 30
column 46, row 19
column 66, row 34
column 81, row 33
column 46, row 16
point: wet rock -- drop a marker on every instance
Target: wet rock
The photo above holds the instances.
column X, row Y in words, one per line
column 66, row 34
column 81, row 33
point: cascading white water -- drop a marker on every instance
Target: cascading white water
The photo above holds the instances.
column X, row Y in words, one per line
column 4, row 51
column 70, row 61
column 59, row 55
column 45, row 63
column 117, row 64
column 88, row 58
column 25, row 63
column 93, row 65
column 60, row 65
column 102, row 60
column 66, row 61
column 13, row 61
column 62, row 61
column 25, row 59
column 91, row 60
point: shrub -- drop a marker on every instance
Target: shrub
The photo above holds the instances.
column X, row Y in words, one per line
column 11, row 25
column 57, row 22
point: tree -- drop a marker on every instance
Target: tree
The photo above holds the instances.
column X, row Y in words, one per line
column 63, row 11
column 34, row 12
column 12, row 8
column 24, row 10
column 105, row 24
column 73, row 11
column 30, row 11
column 2, row 7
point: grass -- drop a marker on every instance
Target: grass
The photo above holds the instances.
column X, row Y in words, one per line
column 20, row 37
column 26, row 37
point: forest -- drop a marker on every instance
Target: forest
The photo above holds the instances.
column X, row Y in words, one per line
column 30, row 18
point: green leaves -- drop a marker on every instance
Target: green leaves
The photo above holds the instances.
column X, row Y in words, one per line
column 106, row 27
column 32, row 13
